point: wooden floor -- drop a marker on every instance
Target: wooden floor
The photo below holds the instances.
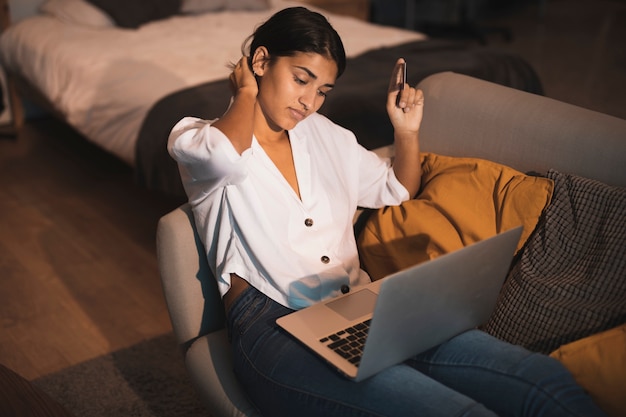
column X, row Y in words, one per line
column 77, row 252
column 78, row 272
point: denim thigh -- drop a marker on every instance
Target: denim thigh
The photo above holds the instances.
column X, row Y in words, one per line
column 507, row 378
column 284, row 378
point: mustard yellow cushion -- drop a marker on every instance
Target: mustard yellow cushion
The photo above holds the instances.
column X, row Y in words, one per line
column 462, row 201
column 598, row 363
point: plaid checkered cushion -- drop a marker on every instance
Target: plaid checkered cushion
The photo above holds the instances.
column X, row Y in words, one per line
column 569, row 281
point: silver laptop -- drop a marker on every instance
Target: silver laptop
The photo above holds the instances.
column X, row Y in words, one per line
column 392, row 319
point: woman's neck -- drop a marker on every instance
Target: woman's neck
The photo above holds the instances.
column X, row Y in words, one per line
column 267, row 134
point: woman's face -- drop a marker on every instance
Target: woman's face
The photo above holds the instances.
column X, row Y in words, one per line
column 291, row 88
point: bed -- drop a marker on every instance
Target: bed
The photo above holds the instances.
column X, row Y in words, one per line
column 123, row 72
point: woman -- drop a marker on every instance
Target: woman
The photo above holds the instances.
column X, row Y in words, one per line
column 274, row 187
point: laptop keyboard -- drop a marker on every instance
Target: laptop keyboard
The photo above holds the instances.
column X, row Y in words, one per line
column 349, row 342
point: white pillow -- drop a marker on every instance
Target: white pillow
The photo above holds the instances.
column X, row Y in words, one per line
column 204, row 6
column 77, row 12
column 247, row 4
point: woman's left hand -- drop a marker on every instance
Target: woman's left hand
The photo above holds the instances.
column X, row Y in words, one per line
column 404, row 105
column 405, row 108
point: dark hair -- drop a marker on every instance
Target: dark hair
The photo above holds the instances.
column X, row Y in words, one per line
column 297, row 29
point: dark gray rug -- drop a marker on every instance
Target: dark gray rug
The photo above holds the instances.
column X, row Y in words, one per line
column 145, row 380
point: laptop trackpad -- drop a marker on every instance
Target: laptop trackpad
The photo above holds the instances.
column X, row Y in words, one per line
column 354, row 305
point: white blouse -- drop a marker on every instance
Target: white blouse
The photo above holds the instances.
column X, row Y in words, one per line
column 297, row 251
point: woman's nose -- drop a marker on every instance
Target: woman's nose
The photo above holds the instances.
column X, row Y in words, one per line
column 304, row 105
column 308, row 99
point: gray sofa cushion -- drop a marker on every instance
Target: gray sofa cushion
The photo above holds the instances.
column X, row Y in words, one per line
column 570, row 279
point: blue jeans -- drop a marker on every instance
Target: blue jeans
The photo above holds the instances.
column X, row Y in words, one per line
column 472, row 374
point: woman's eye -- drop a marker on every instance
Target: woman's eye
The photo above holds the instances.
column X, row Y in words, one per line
column 321, row 93
column 300, row 81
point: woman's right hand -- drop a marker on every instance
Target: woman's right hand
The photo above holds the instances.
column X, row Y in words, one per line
column 242, row 79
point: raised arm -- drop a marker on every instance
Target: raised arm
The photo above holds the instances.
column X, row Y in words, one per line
column 238, row 121
column 405, row 108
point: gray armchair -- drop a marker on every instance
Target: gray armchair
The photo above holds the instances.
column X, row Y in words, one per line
column 197, row 314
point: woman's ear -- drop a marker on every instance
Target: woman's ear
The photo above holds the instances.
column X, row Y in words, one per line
column 260, row 59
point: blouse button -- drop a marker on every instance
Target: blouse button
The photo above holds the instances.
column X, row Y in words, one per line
column 325, row 259
column 308, row 222
column 345, row 289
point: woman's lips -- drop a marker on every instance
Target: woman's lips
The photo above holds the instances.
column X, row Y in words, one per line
column 297, row 114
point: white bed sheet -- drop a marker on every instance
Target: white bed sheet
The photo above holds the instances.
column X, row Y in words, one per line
column 104, row 81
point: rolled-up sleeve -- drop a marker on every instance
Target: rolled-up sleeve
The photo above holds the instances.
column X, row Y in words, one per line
column 378, row 184
column 206, row 158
